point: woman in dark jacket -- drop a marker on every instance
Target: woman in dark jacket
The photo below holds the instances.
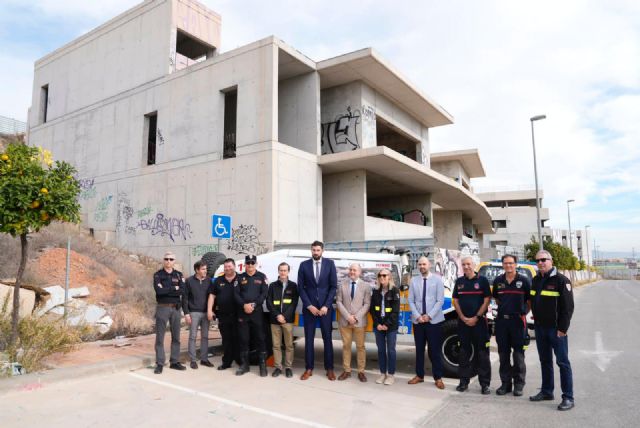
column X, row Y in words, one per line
column 385, row 311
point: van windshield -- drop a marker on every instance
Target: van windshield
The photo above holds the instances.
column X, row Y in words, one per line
column 491, row 272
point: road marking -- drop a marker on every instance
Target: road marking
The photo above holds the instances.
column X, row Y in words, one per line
column 231, row 402
column 626, row 293
column 601, row 357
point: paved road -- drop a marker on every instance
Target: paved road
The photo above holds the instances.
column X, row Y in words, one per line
column 604, row 352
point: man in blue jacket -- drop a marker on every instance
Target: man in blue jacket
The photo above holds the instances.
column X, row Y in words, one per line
column 317, row 283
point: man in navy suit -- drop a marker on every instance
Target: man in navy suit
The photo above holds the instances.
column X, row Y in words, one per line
column 317, row 283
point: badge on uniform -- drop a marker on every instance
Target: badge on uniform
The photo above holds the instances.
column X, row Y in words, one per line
column 476, row 286
column 518, row 284
column 568, row 286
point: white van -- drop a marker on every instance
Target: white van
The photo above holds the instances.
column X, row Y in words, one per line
column 371, row 263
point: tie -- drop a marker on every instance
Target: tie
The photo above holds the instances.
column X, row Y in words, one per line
column 424, row 296
column 353, row 289
column 317, row 271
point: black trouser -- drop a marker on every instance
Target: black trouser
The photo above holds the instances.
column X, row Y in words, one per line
column 478, row 336
column 251, row 325
column 510, row 333
column 228, row 326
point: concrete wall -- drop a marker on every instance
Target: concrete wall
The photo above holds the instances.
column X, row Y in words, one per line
column 447, row 232
column 380, row 228
column 403, row 203
column 299, row 112
column 341, row 119
column 344, row 206
column 452, row 169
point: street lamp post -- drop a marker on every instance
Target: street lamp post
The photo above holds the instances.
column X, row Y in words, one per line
column 535, row 172
column 569, row 216
column 586, row 238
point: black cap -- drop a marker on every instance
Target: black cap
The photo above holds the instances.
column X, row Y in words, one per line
column 248, row 259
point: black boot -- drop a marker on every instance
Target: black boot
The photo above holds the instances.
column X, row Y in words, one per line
column 504, row 388
column 244, row 364
column 262, row 361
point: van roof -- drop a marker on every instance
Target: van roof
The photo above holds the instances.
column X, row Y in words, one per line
column 349, row 255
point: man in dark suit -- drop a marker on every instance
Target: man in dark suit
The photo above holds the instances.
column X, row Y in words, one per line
column 317, row 283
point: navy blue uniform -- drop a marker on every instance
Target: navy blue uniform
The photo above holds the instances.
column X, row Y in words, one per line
column 225, row 310
column 511, row 327
column 251, row 289
column 470, row 294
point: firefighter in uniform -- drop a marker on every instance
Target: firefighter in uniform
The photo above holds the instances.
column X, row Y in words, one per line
column 249, row 295
column 169, row 285
column 511, row 291
column 222, row 305
column 552, row 308
column 471, row 296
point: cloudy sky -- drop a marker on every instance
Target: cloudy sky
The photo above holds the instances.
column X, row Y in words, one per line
column 491, row 64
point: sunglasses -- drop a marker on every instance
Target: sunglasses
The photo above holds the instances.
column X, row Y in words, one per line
column 541, row 260
column 250, row 263
column 382, row 275
column 167, row 259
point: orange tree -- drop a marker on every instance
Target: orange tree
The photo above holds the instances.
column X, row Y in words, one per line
column 34, row 191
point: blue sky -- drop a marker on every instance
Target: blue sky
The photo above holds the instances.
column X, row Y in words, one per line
column 491, row 64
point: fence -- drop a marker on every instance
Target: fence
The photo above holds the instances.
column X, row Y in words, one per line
column 10, row 126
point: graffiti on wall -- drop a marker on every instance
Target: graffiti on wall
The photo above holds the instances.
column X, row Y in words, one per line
column 143, row 212
column 341, row 134
column 245, row 240
column 163, row 226
column 102, row 209
column 124, row 214
column 87, row 188
column 201, row 250
column 160, row 137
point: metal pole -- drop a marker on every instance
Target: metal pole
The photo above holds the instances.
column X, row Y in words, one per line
column 66, row 277
column 535, row 172
column 569, row 216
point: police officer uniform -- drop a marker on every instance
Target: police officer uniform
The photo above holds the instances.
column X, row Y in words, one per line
column 169, row 288
column 552, row 308
column 470, row 294
column 251, row 289
column 226, row 313
column 511, row 330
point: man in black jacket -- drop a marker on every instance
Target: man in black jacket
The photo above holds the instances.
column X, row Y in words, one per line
column 168, row 284
column 552, row 308
column 222, row 305
column 282, row 300
column 194, row 306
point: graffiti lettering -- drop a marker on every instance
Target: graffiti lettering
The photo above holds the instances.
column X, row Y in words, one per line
column 143, row 212
column 166, row 226
column 87, row 188
column 124, row 214
column 201, row 250
column 340, row 135
column 244, row 240
column 102, row 209
column 160, row 137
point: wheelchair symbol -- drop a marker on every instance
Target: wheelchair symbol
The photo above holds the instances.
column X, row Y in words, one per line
column 220, row 229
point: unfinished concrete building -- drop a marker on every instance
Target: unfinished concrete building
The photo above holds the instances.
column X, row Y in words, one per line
column 166, row 130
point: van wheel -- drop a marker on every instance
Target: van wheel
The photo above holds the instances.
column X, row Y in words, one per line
column 451, row 349
column 213, row 261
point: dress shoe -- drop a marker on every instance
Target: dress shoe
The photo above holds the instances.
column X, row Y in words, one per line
column 439, row 384
column 504, row 389
column 276, row 373
column 517, row 390
column 541, row 396
column 177, row 366
column 306, row 375
column 462, row 387
column 566, row 404
column 484, row 390
column 381, row 379
column 206, row 363
column 416, row 379
column 390, row 380
column 288, row 373
column 331, row 375
column 362, row 377
column 224, row 366
column 344, row 375
column 193, row 365
column 158, row 369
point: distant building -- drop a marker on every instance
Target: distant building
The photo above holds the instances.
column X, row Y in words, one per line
column 514, row 221
column 580, row 245
column 165, row 131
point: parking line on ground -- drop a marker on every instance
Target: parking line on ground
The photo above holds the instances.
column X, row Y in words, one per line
column 234, row 403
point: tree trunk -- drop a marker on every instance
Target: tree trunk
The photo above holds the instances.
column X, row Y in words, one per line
column 16, row 291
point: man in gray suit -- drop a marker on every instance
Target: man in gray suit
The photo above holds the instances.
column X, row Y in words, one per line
column 426, row 296
column 353, row 299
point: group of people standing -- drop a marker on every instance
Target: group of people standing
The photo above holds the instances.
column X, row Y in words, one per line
column 236, row 300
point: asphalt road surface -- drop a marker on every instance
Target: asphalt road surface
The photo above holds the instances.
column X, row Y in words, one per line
column 603, row 348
